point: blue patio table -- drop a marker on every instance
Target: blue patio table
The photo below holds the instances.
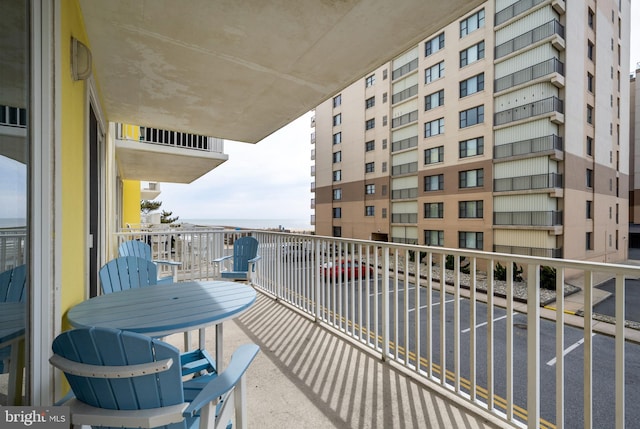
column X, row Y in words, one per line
column 12, row 324
column 166, row 309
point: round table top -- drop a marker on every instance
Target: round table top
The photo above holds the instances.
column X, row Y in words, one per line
column 160, row 310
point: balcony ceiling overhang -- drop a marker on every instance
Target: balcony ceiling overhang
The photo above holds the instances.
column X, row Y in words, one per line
column 162, row 163
column 242, row 70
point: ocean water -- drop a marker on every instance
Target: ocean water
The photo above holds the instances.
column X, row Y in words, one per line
column 291, row 224
column 12, row 222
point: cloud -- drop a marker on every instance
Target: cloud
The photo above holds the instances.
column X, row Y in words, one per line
column 268, row 180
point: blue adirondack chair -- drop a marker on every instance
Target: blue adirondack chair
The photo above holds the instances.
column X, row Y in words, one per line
column 12, row 289
column 143, row 250
column 243, row 261
column 127, row 272
column 125, row 379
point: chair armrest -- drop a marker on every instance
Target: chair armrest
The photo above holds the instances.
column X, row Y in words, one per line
column 222, row 259
column 240, row 361
column 166, row 262
column 256, row 259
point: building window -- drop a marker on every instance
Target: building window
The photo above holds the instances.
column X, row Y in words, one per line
column 369, row 167
column 471, row 178
column 434, row 100
column 337, row 231
column 384, row 213
column 434, row 45
column 337, row 100
column 369, row 124
column 384, row 190
column 384, row 97
column 472, row 116
column 337, row 175
column 472, row 54
column 337, row 119
column 590, row 18
column 434, row 183
column 589, row 209
column 370, row 80
column 589, row 114
column 384, row 120
column 589, row 178
column 337, row 156
column 370, row 102
column 589, row 241
column 370, row 189
column 433, row 210
column 434, row 72
column 472, row 85
column 337, row 194
column 471, row 240
column 470, row 209
column 590, row 82
column 384, row 166
column 471, row 147
column 590, row 49
column 472, row 23
column 433, row 238
column 370, row 145
column 385, row 73
column 369, row 210
column 434, row 128
column 589, row 146
column 337, row 212
column 337, row 138
column 434, row 155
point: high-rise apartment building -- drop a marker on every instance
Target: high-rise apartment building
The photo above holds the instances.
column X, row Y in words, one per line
column 506, row 130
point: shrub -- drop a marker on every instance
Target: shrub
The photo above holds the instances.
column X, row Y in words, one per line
column 548, row 277
column 451, row 265
column 500, row 272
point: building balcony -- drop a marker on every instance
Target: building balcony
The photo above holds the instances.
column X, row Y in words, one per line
column 552, row 107
column 534, row 219
column 552, row 31
column 377, row 351
column 528, row 183
column 151, row 154
column 552, row 70
column 150, row 190
column 547, row 145
column 13, row 132
column 404, row 194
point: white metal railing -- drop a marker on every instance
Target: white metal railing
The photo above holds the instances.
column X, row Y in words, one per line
column 13, row 242
column 486, row 350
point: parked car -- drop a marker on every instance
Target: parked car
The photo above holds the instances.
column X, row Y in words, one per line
column 346, row 269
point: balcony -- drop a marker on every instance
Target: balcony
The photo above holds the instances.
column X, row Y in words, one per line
column 151, row 154
column 528, row 183
column 544, row 219
column 404, row 194
column 13, row 132
column 552, row 29
column 553, row 68
column 149, row 190
column 514, row 10
column 552, row 107
column 551, row 145
column 372, row 352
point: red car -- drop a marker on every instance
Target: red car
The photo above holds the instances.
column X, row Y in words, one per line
column 346, row 269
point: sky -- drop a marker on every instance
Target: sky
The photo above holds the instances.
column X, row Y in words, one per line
column 271, row 179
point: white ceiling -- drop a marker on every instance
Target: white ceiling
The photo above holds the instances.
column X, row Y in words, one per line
column 241, row 70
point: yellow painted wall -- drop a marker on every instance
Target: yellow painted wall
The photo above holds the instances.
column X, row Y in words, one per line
column 130, row 202
column 73, row 173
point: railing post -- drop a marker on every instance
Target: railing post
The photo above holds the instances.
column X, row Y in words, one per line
column 385, row 303
column 533, row 346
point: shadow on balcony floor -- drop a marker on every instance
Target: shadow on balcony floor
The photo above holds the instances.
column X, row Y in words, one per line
column 308, row 377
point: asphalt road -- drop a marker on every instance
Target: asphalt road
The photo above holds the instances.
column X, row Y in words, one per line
column 632, row 300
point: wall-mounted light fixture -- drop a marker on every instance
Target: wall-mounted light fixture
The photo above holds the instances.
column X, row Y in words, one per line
column 80, row 60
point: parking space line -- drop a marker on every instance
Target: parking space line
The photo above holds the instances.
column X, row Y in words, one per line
column 464, row 331
column 569, row 349
column 433, row 305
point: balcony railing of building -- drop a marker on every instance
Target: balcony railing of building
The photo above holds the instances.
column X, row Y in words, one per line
column 405, row 119
column 13, row 116
column 412, row 306
column 313, row 138
column 515, row 9
column 529, row 38
column 528, row 251
column 313, row 170
column 408, row 168
column 530, row 146
column 313, row 154
column 523, row 183
column 404, row 69
column 402, row 194
column 404, row 94
column 536, row 218
column 13, row 247
column 171, row 138
column 530, row 110
column 313, row 186
column 411, row 218
column 528, row 74
column 404, row 144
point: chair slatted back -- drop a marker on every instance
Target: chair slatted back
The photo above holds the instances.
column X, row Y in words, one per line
column 13, row 284
column 135, row 248
column 111, row 347
column 244, row 249
column 127, row 272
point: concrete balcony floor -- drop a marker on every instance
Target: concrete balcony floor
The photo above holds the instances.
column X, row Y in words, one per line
column 309, row 377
